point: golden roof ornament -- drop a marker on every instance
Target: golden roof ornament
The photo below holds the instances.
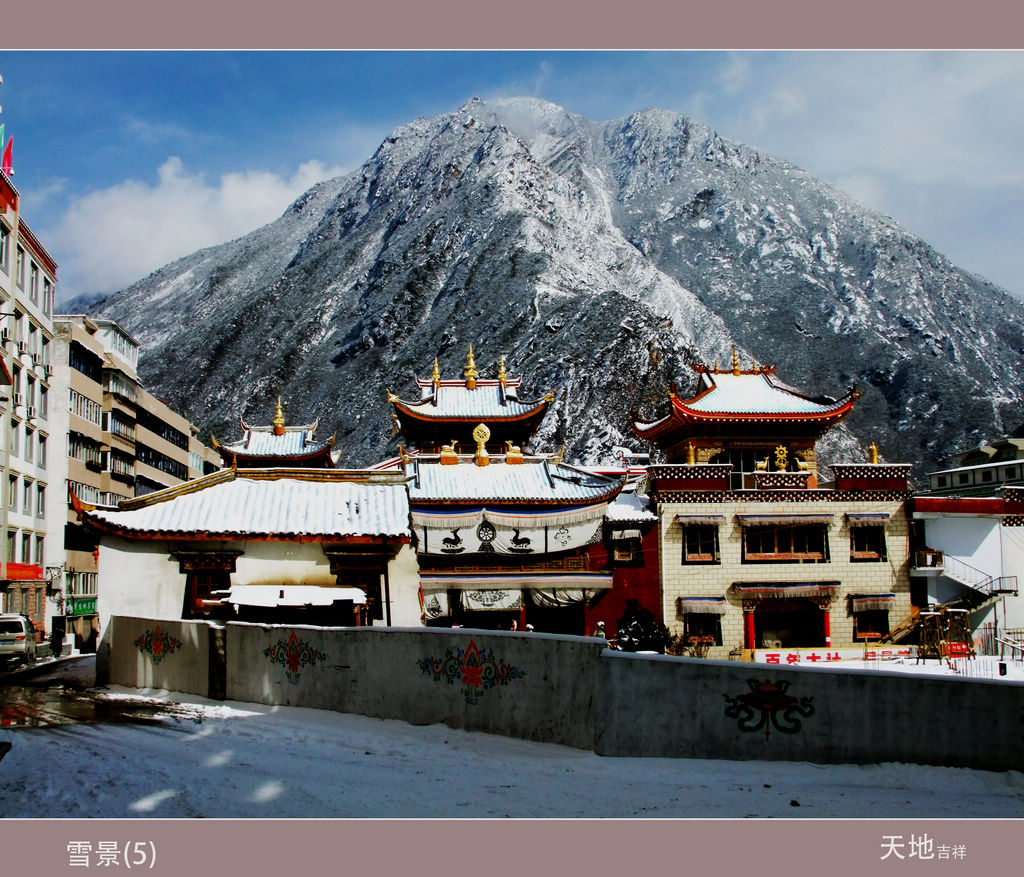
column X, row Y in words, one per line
column 279, row 419
column 449, row 456
column 735, row 361
column 691, row 455
column 480, row 435
column 470, row 371
column 391, row 396
column 549, row 397
column 435, row 375
column 513, row 453
column 502, row 374
column 873, row 454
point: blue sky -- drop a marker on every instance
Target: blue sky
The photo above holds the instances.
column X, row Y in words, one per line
column 126, row 160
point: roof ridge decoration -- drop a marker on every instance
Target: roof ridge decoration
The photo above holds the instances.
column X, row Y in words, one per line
column 470, row 371
column 278, row 420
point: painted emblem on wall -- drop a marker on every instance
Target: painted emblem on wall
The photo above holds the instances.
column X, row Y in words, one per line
column 486, row 533
column 768, row 706
column 476, row 670
column 157, row 643
column 293, row 655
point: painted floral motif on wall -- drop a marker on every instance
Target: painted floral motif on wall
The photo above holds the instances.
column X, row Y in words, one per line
column 768, row 706
column 157, row 644
column 293, row 655
column 476, row 670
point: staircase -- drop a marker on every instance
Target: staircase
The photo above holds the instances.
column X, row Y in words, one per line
column 981, row 588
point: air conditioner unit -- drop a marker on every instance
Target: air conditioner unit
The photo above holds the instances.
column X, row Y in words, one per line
column 5, row 335
column 22, row 347
column 18, row 399
column 31, row 412
column 48, row 370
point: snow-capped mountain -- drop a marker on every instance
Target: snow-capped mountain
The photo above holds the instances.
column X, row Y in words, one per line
column 601, row 259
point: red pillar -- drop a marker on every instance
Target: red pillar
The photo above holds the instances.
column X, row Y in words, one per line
column 828, row 628
column 748, row 629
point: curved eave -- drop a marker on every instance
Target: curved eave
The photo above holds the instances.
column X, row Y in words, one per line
column 322, row 451
column 518, row 502
column 682, row 414
column 413, row 411
column 238, row 536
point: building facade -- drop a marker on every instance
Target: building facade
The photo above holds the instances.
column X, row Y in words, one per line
column 30, row 558
column 764, row 563
column 121, row 443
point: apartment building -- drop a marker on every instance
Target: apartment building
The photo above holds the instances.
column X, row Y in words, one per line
column 30, row 560
column 122, row 443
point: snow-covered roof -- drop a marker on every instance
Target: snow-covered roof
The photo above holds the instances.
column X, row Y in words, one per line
column 294, row 441
column 283, row 503
column 746, row 393
column 489, row 400
column 630, row 507
column 535, row 480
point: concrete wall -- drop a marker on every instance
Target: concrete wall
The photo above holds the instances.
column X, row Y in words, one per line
column 154, row 653
column 570, row 690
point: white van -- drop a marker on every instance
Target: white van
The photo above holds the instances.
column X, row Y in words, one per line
column 17, row 640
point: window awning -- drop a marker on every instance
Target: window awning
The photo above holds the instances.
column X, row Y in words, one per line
column 517, row 581
column 683, row 520
column 701, row 605
column 867, row 602
column 619, row 535
column 867, row 519
column 784, row 520
column 786, row 590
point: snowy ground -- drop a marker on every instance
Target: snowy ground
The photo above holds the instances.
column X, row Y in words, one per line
column 216, row 759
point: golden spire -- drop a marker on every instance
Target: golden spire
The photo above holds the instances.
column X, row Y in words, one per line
column 480, row 435
column 735, row 361
column 279, row 419
column 691, row 456
column 873, row 453
column 470, row 371
column 436, row 374
column 753, row 363
column 502, row 374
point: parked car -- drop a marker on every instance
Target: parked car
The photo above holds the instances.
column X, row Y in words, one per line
column 17, row 640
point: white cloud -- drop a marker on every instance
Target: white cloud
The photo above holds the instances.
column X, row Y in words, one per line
column 112, row 237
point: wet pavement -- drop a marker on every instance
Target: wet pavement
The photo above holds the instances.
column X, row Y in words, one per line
column 63, row 692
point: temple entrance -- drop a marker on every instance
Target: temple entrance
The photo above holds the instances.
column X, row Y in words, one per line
column 793, row 623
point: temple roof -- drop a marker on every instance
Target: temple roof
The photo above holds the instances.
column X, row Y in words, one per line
column 739, row 396
column 288, row 504
column 275, row 444
column 537, row 480
column 470, row 398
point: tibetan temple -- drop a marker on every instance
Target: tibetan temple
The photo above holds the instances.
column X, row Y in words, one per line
column 757, row 559
column 277, row 445
column 741, row 417
column 504, row 536
column 738, row 545
column 448, row 411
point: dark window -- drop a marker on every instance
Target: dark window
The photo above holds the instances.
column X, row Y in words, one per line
column 867, row 543
column 986, row 475
column 940, row 481
column 700, row 543
column 801, row 543
column 963, row 478
column 155, row 425
column 871, row 624
column 86, row 362
column 161, row 462
column 702, row 628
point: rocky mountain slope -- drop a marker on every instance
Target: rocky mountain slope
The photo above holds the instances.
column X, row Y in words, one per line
column 601, row 259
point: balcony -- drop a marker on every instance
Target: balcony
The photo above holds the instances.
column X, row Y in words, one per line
column 928, row 562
